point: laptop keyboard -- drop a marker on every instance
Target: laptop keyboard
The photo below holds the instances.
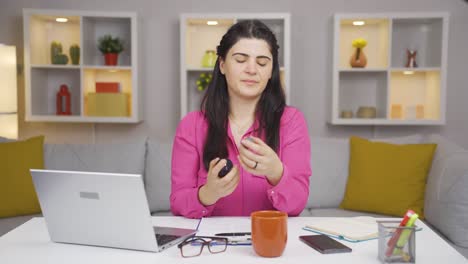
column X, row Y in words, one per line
column 164, row 239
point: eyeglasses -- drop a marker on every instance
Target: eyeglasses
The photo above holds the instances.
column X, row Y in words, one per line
column 193, row 246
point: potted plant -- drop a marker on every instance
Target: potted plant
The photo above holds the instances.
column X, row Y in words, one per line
column 110, row 48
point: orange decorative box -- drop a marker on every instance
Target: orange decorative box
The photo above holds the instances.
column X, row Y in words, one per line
column 108, row 87
column 420, row 111
column 396, row 111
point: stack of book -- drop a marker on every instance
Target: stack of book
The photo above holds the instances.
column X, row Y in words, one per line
column 351, row 229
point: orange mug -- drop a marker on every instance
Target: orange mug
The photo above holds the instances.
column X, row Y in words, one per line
column 269, row 232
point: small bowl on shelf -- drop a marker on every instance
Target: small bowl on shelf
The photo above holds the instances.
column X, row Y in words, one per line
column 346, row 114
column 366, row 112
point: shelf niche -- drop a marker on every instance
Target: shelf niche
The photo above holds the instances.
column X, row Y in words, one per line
column 95, row 28
column 363, row 89
column 411, row 91
column 124, row 77
column 197, row 36
column 203, row 37
column 375, row 31
column 43, row 30
column 47, row 83
column 422, row 35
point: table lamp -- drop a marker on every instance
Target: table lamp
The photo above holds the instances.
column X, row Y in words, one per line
column 8, row 93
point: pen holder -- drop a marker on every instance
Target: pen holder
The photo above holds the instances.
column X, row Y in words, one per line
column 396, row 244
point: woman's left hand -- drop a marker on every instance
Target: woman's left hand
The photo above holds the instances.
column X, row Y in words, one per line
column 258, row 158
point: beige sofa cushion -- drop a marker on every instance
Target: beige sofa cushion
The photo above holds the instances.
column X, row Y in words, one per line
column 446, row 203
column 158, row 175
column 116, row 157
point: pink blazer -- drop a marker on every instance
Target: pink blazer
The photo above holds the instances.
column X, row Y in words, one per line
column 254, row 192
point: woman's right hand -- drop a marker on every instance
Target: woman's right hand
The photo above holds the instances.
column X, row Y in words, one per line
column 215, row 187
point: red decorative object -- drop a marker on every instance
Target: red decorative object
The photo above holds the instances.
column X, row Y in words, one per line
column 107, row 87
column 111, row 58
column 63, row 101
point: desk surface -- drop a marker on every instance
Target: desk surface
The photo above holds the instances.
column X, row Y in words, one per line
column 30, row 243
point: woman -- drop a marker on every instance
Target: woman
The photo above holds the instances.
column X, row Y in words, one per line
column 244, row 118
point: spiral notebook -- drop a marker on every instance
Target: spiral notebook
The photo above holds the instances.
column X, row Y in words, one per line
column 351, row 229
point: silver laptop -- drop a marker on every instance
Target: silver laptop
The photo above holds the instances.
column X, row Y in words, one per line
column 101, row 209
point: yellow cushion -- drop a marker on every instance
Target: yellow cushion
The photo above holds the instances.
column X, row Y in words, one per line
column 17, row 194
column 386, row 178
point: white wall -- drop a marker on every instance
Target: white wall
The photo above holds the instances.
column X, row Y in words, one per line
column 310, row 63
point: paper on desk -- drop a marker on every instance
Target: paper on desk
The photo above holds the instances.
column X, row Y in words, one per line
column 213, row 225
column 175, row 221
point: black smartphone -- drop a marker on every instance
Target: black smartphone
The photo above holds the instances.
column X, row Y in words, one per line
column 226, row 169
column 325, row 244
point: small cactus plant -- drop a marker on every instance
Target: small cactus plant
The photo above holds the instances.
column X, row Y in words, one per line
column 55, row 49
column 75, row 54
column 56, row 55
column 60, row 59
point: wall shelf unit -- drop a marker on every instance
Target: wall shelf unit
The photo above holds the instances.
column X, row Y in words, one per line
column 43, row 79
column 400, row 95
column 196, row 36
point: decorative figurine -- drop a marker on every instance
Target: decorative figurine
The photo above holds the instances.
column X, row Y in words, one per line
column 411, row 58
column 63, row 101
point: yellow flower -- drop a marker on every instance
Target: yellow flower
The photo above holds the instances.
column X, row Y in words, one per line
column 359, row 43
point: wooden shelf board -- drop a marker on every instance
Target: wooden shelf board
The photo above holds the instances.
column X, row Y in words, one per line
column 384, row 121
column 101, row 67
column 80, row 119
column 363, row 70
column 422, row 69
column 54, row 66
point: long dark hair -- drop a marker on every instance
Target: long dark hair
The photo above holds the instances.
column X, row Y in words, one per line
column 215, row 103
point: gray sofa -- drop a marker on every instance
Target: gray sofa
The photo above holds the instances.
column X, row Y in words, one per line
column 446, row 200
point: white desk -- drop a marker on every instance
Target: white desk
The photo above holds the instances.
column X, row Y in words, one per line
column 30, row 243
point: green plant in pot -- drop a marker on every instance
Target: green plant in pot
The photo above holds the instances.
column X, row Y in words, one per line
column 110, row 48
